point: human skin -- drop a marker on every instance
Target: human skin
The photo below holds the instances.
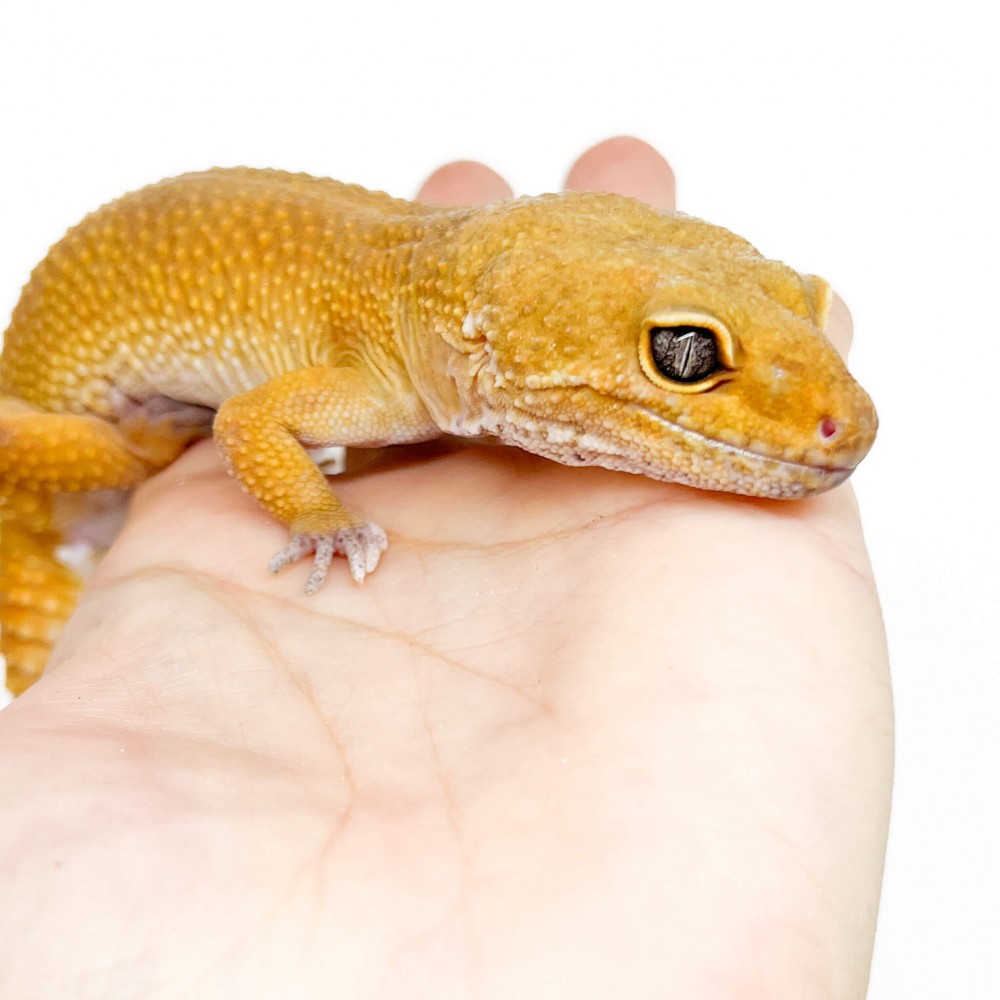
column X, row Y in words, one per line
column 581, row 735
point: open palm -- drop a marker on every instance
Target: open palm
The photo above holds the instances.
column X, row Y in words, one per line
column 580, row 735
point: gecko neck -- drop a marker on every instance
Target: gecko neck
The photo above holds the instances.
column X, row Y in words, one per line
column 441, row 347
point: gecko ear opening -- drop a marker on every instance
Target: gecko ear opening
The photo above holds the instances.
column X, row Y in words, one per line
column 820, row 297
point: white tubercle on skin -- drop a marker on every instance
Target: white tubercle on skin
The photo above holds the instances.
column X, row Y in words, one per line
column 560, row 434
column 472, row 325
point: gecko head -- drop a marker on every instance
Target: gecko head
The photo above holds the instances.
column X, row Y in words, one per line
column 607, row 333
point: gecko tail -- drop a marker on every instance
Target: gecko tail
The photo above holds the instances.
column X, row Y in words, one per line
column 38, row 591
column 64, row 480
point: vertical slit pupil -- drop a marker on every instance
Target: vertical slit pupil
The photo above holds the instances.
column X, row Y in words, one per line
column 686, row 342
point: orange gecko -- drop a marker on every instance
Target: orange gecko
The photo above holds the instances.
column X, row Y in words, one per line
column 280, row 312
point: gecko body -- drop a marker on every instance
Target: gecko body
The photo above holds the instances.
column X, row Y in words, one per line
column 281, row 312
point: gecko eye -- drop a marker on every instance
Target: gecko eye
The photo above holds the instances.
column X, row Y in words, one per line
column 684, row 353
column 687, row 350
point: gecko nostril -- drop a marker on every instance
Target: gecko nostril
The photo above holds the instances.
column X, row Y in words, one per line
column 827, row 428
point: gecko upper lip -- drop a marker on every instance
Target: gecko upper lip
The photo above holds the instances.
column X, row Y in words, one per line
column 841, row 470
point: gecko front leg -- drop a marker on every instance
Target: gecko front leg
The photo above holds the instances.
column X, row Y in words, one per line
column 263, row 435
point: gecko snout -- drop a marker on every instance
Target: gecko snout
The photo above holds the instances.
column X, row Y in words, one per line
column 844, row 437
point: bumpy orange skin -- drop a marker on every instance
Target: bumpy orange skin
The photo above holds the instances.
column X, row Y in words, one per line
column 304, row 312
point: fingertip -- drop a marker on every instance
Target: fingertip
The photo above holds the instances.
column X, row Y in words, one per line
column 464, row 182
column 840, row 325
column 625, row 165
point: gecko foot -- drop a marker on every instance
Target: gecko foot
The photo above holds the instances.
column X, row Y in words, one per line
column 362, row 544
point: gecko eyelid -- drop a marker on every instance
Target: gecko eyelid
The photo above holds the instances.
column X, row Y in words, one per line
column 688, row 350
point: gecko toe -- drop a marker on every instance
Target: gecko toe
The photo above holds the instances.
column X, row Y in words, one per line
column 321, row 563
column 299, row 546
column 363, row 544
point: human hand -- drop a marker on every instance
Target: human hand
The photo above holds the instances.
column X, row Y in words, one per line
column 581, row 734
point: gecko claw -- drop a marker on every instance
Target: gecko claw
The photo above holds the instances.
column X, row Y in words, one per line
column 362, row 544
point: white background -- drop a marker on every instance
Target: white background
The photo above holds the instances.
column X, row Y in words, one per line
column 856, row 140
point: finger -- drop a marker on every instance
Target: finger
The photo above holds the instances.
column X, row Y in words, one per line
column 840, row 326
column 464, row 182
column 628, row 166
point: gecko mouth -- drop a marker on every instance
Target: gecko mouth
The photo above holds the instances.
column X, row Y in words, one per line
column 686, row 456
column 832, row 470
